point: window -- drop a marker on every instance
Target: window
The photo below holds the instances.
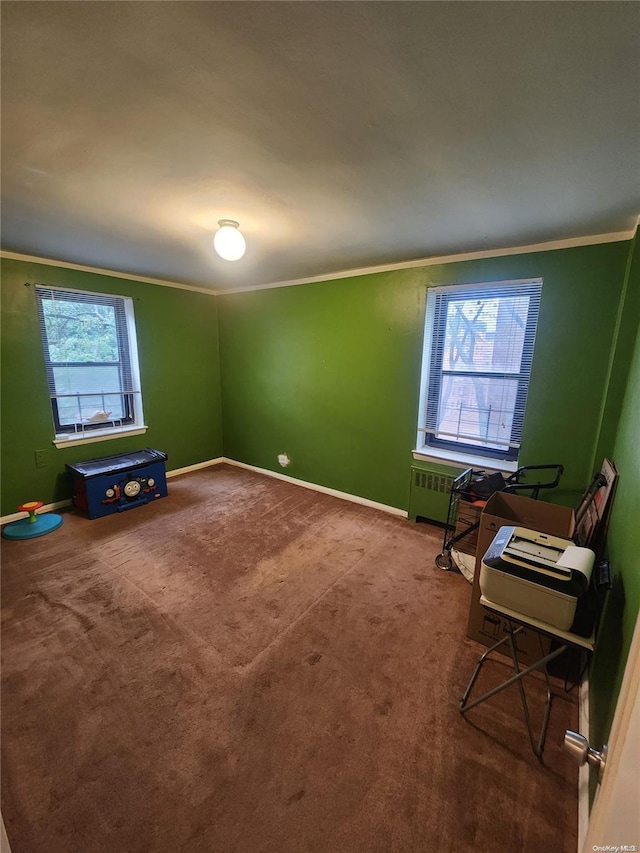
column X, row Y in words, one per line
column 478, row 349
column 91, row 362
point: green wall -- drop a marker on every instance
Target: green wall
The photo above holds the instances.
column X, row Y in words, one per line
column 329, row 372
column 623, row 602
column 320, row 372
column 326, row 372
column 179, row 367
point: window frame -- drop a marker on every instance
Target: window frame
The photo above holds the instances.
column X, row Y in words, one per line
column 127, row 366
column 433, row 371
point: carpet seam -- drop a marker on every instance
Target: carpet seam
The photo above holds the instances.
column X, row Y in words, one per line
column 294, row 622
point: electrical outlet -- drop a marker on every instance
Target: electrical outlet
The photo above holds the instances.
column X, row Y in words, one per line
column 41, row 458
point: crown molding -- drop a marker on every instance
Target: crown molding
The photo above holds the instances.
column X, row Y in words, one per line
column 32, row 259
column 549, row 246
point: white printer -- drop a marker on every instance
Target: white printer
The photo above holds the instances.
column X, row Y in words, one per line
column 536, row 574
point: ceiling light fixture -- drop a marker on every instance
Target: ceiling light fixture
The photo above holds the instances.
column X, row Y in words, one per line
column 228, row 241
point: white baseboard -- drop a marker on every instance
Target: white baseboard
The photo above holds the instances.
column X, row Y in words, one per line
column 177, row 471
column 15, row 516
column 583, row 773
column 345, row 496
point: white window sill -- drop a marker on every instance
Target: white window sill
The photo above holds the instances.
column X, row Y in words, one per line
column 76, row 438
column 465, row 460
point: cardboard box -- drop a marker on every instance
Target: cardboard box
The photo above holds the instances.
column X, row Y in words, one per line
column 468, row 514
column 503, row 509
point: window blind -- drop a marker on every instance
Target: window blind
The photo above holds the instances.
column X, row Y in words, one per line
column 87, row 357
column 480, row 353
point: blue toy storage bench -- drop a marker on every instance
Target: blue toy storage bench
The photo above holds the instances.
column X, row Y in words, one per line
column 117, row 483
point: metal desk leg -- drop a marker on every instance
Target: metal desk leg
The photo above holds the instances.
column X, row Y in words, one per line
column 465, row 705
column 547, row 707
column 523, row 697
column 476, row 673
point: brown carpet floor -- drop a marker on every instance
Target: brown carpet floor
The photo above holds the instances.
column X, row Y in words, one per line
column 254, row 667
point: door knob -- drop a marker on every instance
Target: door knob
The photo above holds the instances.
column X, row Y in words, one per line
column 578, row 747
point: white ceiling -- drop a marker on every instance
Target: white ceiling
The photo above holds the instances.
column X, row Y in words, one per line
column 339, row 134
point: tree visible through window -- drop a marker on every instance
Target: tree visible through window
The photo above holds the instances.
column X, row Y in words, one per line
column 88, row 357
column 478, row 351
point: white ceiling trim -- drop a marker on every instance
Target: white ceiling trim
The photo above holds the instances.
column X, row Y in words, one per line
column 32, row 259
column 570, row 243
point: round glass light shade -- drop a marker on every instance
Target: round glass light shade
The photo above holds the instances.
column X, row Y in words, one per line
column 228, row 241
